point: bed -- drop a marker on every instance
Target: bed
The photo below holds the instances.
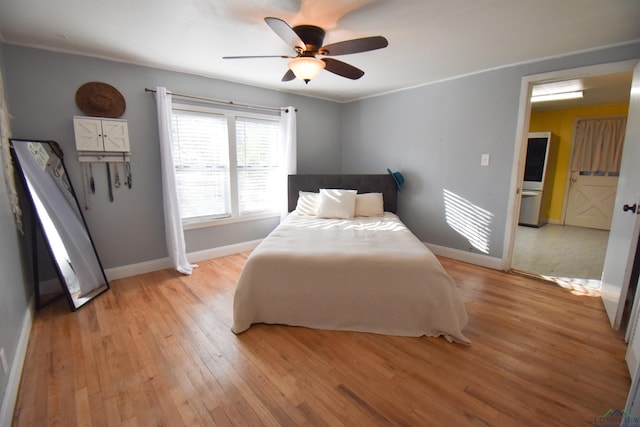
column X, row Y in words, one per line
column 368, row 273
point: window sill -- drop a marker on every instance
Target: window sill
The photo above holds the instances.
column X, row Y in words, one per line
column 226, row 221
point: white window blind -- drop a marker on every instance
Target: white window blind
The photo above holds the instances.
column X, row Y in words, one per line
column 257, row 156
column 201, row 160
column 226, row 164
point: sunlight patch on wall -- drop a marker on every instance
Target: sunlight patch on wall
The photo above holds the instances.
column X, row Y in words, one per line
column 468, row 220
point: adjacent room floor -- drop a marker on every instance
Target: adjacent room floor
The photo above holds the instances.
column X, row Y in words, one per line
column 561, row 251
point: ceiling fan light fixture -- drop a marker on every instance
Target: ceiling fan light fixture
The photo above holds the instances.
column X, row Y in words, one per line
column 306, row 67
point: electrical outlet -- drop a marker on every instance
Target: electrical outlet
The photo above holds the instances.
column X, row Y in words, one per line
column 484, row 159
column 3, row 360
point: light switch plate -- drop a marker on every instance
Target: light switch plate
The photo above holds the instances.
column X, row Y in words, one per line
column 484, row 159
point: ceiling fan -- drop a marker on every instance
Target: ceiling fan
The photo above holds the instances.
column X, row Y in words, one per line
column 307, row 40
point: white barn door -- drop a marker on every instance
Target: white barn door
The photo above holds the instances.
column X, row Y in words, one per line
column 590, row 201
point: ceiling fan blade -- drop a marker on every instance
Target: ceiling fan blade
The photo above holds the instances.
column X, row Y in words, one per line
column 342, row 69
column 257, row 56
column 354, row 46
column 288, row 76
column 285, row 32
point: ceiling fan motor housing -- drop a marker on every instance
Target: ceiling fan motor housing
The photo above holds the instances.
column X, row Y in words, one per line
column 311, row 35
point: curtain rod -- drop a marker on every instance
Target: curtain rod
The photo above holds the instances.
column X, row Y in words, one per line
column 219, row 101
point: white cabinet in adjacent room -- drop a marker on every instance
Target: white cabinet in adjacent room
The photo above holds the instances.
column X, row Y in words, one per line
column 96, row 134
column 542, row 148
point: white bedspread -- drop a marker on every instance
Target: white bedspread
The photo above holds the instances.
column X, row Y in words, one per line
column 362, row 274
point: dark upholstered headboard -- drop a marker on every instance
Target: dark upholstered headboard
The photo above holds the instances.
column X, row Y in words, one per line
column 383, row 183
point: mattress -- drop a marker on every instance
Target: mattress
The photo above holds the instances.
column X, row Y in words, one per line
column 367, row 274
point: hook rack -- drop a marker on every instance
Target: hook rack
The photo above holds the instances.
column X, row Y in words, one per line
column 92, row 157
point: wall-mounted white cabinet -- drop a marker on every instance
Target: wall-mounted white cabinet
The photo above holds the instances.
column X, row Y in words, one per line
column 101, row 135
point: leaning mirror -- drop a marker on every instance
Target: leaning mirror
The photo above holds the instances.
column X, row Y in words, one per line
column 58, row 216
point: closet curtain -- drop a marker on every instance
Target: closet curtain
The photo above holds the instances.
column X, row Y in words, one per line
column 174, row 234
column 288, row 153
column 598, row 145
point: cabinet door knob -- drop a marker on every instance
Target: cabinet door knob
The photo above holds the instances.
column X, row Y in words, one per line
column 628, row 208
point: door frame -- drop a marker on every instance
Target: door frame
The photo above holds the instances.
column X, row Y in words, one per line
column 522, row 130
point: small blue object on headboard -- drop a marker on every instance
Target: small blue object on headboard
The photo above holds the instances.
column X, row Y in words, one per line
column 398, row 178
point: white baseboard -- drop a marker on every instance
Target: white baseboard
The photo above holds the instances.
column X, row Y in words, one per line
column 193, row 257
column 470, row 257
column 138, row 268
column 15, row 371
column 222, row 251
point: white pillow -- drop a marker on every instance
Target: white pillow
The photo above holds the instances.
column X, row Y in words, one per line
column 307, row 203
column 336, row 203
column 369, row 204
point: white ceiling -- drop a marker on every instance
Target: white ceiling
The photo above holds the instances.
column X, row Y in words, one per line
column 429, row 40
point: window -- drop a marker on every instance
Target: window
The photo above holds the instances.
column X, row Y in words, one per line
column 226, row 163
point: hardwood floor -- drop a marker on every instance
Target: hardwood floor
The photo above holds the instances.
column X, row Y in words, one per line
column 157, row 350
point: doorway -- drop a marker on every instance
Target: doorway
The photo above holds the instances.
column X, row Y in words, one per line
column 572, row 256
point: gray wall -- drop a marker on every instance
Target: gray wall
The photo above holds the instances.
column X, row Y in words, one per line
column 15, row 292
column 435, row 135
column 42, row 86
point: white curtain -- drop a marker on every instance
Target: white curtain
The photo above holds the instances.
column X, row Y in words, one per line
column 288, row 152
column 598, row 145
column 172, row 223
column 5, row 154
